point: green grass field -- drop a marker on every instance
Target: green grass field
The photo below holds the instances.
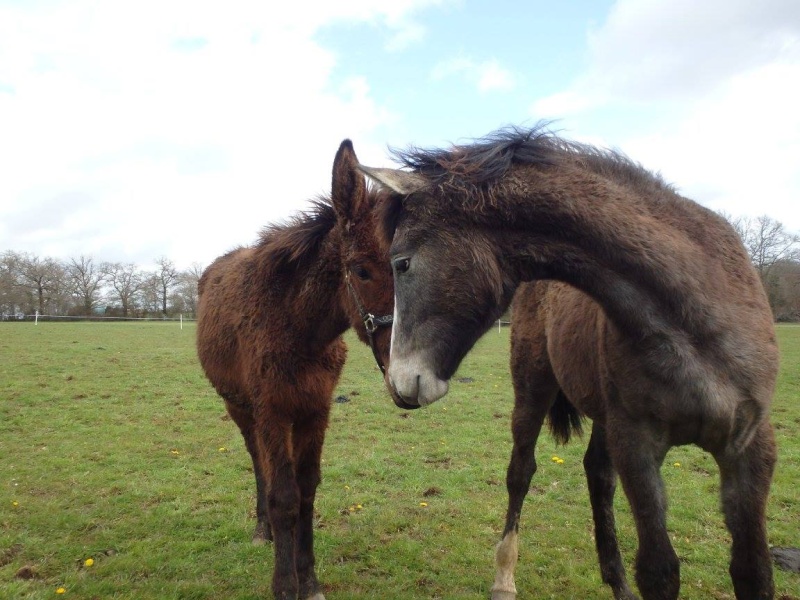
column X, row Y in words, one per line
column 123, row 478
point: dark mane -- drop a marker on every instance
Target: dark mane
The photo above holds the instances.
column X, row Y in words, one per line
column 472, row 169
column 485, row 160
column 296, row 241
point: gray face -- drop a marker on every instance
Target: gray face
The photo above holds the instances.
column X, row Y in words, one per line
column 448, row 292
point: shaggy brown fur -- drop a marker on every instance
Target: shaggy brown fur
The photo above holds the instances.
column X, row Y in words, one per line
column 270, row 320
column 657, row 327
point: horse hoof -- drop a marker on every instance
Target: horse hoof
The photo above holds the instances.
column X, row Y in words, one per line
column 261, row 535
column 317, row 596
column 501, row 595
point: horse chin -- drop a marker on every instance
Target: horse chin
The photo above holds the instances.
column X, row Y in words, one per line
column 399, row 400
column 414, row 388
column 401, row 403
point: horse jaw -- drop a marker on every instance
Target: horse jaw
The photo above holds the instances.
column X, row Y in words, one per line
column 414, row 382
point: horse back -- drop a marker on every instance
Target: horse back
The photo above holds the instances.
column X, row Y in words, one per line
column 220, row 310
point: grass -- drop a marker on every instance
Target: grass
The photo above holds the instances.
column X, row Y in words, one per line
column 114, row 447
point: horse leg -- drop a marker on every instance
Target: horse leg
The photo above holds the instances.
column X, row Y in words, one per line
column 308, row 440
column 526, row 423
column 637, row 457
column 283, row 497
column 602, row 483
column 745, row 485
column 243, row 417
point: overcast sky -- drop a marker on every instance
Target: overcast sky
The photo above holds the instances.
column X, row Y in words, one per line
column 135, row 130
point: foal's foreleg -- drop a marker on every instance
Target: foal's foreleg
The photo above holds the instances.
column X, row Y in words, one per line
column 308, row 439
column 243, row 417
column 602, row 482
column 283, row 500
column 745, row 485
column 526, row 423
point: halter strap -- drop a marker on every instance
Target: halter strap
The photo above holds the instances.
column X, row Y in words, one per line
column 371, row 322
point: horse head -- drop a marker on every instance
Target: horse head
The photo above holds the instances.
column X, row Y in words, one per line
column 368, row 293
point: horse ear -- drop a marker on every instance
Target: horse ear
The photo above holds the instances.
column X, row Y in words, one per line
column 400, row 182
column 348, row 188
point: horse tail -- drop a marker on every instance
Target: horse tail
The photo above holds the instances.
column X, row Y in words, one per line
column 564, row 419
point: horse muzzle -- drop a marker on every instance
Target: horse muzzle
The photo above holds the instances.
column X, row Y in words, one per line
column 412, row 387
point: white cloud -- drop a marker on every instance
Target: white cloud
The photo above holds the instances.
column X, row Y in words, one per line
column 492, row 77
column 649, row 51
column 486, row 76
column 180, row 127
column 737, row 148
column 563, row 104
column 706, row 93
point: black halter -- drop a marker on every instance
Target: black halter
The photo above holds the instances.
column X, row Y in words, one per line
column 371, row 322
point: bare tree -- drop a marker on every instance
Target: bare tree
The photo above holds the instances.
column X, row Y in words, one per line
column 124, row 281
column 42, row 279
column 786, row 293
column 11, row 296
column 775, row 253
column 767, row 242
column 167, row 277
column 185, row 296
column 149, row 296
column 85, row 280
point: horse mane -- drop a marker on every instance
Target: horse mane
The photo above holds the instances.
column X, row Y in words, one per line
column 296, row 242
column 472, row 170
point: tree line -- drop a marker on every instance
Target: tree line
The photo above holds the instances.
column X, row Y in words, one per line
column 775, row 253
column 83, row 287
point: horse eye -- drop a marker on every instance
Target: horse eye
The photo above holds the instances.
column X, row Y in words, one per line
column 401, row 265
column 361, row 273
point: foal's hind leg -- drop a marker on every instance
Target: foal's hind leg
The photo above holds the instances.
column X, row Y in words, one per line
column 745, row 485
column 526, row 423
column 602, row 481
column 637, row 456
column 243, row 417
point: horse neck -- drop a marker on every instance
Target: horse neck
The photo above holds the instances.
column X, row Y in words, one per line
column 310, row 296
column 655, row 261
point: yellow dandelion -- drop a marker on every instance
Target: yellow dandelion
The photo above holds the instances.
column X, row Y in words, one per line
column 15, row 503
column 423, row 504
column 223, row 449
column 677, row 464
column 359, row 507
column 352, row 509
column 175, row 452
column 61, row 590
column 347, row 488
column 555, row 459
column 88, row 562
column 560, row 461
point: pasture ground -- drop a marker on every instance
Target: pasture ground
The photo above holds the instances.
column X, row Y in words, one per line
column 121, row 477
